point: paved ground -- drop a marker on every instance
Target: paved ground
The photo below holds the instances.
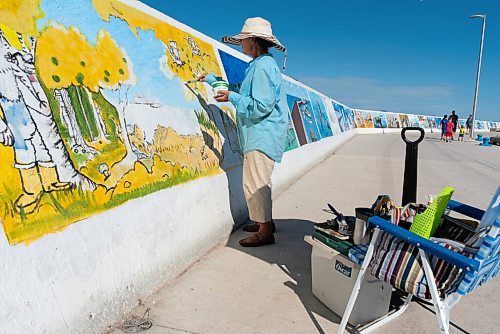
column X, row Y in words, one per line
column 268, row 290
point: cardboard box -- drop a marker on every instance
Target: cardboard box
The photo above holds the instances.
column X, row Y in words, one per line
column 333, row 277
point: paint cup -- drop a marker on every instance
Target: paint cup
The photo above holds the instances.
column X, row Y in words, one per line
column 361, row 235
column 220, row 86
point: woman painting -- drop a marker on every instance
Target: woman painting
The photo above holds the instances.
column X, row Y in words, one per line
column 262, row 122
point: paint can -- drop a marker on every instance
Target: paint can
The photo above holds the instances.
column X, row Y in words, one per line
column 219, row 86
column 361, row 234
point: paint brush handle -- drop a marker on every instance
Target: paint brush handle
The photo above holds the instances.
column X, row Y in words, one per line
column 333, row 209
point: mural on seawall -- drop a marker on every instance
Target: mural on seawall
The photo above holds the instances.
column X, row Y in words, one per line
column 437, row 122
column 393, row 121
column 96, row 112
column 423, row 122
column 322, row 119
column 363, row 119
column 345, row 117
column 414, row 121
column 405, row 120
column 379, row 120
column 302, row 115
column 99, row 108
column 235, row 70
column 335, row 126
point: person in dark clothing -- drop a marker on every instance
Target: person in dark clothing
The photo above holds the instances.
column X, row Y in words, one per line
column 468, row 124
column 454, row 119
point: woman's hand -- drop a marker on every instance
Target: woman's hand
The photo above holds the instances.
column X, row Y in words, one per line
column 222, row 96
column 202, row 77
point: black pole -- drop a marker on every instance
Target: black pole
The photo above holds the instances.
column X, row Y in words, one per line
column 411, row 164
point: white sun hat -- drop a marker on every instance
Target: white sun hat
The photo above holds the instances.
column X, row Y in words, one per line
column 255, row 27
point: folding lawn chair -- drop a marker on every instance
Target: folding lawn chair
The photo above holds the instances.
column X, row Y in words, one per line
column 447, row 273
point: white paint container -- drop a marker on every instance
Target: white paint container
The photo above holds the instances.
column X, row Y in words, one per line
column 219, row 86
column 361, row 227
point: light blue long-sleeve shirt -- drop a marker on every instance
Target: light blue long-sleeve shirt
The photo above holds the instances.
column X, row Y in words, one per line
column 261, row 115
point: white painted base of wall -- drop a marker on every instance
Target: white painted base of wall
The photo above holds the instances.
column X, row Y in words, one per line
column 84, row 278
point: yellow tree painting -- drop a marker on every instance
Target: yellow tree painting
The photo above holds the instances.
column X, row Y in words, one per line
column 186, row 57
column 94, row 112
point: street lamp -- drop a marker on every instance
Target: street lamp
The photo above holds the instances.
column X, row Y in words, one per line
column 474, row 108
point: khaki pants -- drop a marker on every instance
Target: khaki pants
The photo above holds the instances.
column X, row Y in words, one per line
column 257, row 171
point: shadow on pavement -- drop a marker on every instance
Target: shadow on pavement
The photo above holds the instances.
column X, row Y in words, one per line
column 293, row 256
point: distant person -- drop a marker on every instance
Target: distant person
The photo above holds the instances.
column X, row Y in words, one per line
column 461, row 133
column 449, row 130
column 444, row 123
column 468, row 124
column 454, row 119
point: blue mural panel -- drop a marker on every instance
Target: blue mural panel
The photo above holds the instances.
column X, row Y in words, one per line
column 379, row 120
column 345, row 117
column 302, row 114
column 321, row 115
column 235, row 69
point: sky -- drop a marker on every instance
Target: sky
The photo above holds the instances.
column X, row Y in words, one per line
column 412, row 56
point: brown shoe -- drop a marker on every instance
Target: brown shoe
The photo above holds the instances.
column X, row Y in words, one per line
column 254, row 227
column 256, row 241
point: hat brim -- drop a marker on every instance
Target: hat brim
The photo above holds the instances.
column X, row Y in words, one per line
column 236, row 40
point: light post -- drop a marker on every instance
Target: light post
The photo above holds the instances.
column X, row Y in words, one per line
column 474, row 108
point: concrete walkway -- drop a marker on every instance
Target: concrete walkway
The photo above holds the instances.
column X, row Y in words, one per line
column 268, row 289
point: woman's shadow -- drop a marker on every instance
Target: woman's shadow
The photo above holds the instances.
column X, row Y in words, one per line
column 229, row 153
column 293, row 256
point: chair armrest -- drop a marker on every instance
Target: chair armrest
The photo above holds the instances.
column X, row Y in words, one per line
column 466, row 210
column 470, row 265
